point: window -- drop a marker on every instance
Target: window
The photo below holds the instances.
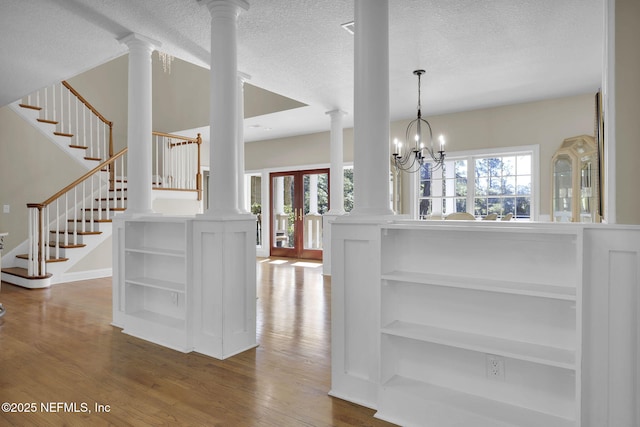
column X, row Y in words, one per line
column 480, row 183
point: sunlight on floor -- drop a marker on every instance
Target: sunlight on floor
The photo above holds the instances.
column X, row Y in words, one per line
column 306, row 264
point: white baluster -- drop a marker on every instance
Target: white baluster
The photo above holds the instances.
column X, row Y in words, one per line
column 122, row 179
column 61, row 110
column 76, row 134
column 91, row 135
column 66, row 218
column 46, row 105
column 75, row 206
column 99, row 175
column 69, row 120
column 91, row 216
column 31, row 231
column 58, row 224
column 155, row 162
column 83, row 215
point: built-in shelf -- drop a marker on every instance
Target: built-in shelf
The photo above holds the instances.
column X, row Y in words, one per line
column 444, row 406
column 536, row 353
column 155, row 281
column 156, row 251
column 482, row 284
column 157, row 284
column 453, row 296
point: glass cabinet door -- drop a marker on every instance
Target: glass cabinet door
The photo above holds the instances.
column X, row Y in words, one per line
column 563, row 189
column 588, row 200
column 575, row 178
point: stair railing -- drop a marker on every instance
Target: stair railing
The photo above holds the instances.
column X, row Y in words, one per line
column 74, row 210
column 75, row 117
column 176, row 163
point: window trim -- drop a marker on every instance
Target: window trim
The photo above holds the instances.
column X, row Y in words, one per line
column 471, row 155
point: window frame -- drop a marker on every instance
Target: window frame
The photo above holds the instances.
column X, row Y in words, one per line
column 471, row 156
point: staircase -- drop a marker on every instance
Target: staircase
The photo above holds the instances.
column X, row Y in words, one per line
column 75, row 220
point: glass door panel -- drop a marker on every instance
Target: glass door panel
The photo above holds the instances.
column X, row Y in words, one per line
column 283, row 214
column 316, row 203
column 298, row 200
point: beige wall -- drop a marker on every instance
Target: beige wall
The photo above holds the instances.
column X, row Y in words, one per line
column 627, row 110
column 105, row 87
column 294, row 151
column 100, row 258
column 545, row 123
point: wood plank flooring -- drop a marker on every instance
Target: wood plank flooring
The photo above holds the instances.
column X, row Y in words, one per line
column 57, row 347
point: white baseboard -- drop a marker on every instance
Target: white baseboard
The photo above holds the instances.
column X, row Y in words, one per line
column 86, row 275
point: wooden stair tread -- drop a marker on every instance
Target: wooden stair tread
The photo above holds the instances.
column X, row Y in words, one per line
column 32, row 107
column 97, row 159
column 53, row 122
column 89, row 220
column 78, row 146
column 79, row 233
column 26, row 256
column 24, row 273
column 53, row 244
column 104, row 209
column 63, row 134
column 111, row 199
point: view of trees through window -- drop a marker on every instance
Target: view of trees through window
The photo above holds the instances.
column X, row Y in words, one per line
column 499, row 184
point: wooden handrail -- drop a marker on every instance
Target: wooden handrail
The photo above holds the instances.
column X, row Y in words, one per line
column 85, row 102
column 196, row 140
column 79, row 180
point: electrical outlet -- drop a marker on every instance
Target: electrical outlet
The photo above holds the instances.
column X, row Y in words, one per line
column 174, row 298
column 495, row 367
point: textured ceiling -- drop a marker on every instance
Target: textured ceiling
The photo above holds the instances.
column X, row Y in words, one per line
column 476, row 53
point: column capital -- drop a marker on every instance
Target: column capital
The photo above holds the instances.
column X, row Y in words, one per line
column 135, row 39
column 212, row 5
column 336, row 113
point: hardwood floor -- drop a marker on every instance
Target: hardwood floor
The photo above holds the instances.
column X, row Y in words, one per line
column 57, row 347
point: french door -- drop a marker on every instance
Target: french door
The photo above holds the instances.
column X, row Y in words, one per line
column 298, row 200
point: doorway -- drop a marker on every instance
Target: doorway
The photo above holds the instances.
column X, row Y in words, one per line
column 298, row 200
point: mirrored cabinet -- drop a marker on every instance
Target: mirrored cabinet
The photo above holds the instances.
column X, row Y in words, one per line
column 575, row 177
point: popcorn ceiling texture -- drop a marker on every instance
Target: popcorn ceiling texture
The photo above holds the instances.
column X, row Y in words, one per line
column 476, row 53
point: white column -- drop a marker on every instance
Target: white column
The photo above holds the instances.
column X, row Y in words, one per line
column 336, row 174
column 139, row 123
column 242, row 194
column 313, row 194
column 223, row 184
column 371, row 109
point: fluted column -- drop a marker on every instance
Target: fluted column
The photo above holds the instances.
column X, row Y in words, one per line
column 223, row 118
column 371, row 109
column 242, row 202
column 139, row 128
column 336, row 174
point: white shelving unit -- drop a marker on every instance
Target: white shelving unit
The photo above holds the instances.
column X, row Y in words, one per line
column 455, row 298
column 155, row 281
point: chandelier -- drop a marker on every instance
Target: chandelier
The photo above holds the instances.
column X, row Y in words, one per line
column 410, row 156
